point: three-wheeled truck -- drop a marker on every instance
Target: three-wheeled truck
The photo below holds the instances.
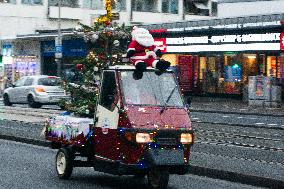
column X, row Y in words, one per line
column 141, row 127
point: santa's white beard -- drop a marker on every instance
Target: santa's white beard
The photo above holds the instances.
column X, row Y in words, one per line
column 144, row 40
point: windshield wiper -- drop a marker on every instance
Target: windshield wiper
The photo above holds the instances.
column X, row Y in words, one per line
column 168, row 99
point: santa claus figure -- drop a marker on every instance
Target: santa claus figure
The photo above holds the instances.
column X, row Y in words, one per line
column 143, row 53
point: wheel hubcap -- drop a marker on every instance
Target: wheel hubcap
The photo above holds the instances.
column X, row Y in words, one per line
column 61, row 163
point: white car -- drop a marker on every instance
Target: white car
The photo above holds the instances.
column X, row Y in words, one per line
column 35, row 91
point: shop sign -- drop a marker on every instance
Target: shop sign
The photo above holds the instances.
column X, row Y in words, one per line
column 161, row 44
column 225, row 39
column 7, row 50
column 69, row 48
column 282, row 41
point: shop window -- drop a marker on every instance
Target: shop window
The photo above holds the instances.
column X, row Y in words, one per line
column 32, row 2
column 261, row 64
column 202, row 67
column 278, row 68
column 64, row 3
column 271, row 66
column 250, row 67
column 232, row 72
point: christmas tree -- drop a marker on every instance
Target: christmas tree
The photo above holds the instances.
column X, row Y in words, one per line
column 106, row 44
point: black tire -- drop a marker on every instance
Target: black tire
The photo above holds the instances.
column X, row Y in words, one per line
column 158, row 178
column 64, row 163
column 55, row 145
column 6, row 100
column 32, row 103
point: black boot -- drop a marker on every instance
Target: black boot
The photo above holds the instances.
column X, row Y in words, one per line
column 141, row 66
column 163, row 65
column 137, row 75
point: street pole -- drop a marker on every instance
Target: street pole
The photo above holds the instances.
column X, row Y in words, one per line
column 58, row 42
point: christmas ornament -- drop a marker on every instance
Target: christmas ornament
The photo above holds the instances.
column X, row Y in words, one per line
column 94, row 38
column 79, row 67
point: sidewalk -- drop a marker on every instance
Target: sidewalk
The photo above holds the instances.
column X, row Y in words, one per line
column 225, row 105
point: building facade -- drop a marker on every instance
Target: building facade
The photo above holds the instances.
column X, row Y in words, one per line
column 218, row 56
column 29, row 27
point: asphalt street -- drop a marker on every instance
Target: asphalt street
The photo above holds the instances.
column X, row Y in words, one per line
column 28, row 166
column 241, row 149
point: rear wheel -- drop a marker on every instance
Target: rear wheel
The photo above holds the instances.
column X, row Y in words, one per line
column 32, row 102
column 158, row 178
column 64, row 163
column 6, row 100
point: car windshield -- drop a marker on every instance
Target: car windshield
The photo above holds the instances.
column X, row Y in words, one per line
column 49, row 81
column 151, row 89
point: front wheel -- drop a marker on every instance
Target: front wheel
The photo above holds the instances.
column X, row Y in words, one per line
column 32, row 102
column 158, row 178
column 64, row 163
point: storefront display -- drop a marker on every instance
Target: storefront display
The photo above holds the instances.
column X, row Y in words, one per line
column 24, row 66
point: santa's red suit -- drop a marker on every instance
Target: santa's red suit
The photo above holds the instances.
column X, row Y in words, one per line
column 143, row 54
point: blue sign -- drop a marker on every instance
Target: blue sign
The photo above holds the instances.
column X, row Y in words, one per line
column 58, row 49
column 69, row 48
column 233, row 73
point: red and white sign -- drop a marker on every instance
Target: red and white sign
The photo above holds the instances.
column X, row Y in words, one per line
column 282, row 41
column 161, row 44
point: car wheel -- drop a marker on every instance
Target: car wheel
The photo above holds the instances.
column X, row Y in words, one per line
column 6, row 100
column 158, row 178
column 64, row 163
column 32, row 102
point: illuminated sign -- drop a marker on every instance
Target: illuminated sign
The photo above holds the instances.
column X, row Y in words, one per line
column 225, row 39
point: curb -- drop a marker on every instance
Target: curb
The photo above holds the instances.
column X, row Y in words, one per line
column 195, row 170
column 237, row 177
column 231, row 112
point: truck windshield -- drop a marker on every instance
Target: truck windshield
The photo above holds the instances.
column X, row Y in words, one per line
column 152, row 90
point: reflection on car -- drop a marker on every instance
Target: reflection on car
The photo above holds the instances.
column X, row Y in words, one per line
column 35, row 91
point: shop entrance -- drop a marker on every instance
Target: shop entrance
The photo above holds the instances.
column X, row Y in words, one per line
column 185, row 72
column 49, row 66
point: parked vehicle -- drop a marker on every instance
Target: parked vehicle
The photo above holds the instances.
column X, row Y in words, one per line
column 141, row 127
column 34, row 91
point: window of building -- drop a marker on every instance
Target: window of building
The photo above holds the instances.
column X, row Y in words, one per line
column 144, row 5
column 64, row 3
column 32, row 2
column 214, row 9
column 170, row 6
column 93, row 4
column 119, row 5
column 8, row 1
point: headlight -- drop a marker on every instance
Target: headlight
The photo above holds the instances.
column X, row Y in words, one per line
column 143, row 138
column 186, row 138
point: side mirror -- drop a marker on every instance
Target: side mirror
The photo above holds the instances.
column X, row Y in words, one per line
column 188, row 101
column 13, row 85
